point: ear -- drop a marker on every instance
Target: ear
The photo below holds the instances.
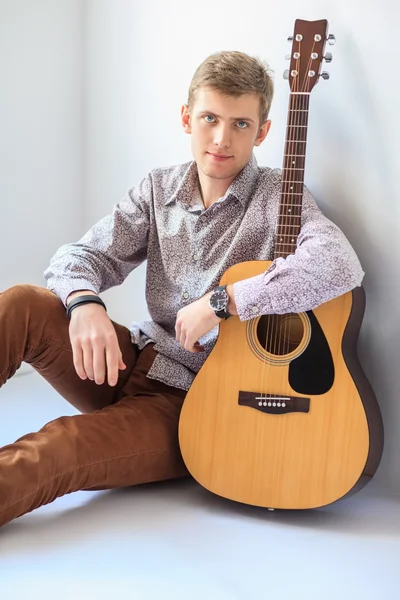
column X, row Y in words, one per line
column 262, row 134
column 185, row 118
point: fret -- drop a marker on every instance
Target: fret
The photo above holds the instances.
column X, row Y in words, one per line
column 294, row 216
column 295, row 168
column 297, row 141
column 297, row 126
column 291, row 181
column 291, row 204
column 292, row 193
column 290, row 235
column 300, row 155
column 284, row 244
column 298, row 110
column 284, row 235
column 300, row 181
column 286, row 227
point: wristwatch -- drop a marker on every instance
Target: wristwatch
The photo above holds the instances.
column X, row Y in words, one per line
column 219, row 301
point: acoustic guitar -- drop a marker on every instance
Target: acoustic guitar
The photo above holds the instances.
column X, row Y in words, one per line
column 281, row 415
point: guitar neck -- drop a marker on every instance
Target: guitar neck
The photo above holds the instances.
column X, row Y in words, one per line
column 289, row 217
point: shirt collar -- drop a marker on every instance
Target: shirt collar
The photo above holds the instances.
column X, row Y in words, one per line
column 242, row 187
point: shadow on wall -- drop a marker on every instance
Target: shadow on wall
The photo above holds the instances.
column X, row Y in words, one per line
column 356, row 172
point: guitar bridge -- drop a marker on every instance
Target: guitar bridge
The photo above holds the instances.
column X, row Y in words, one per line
column 274, row 404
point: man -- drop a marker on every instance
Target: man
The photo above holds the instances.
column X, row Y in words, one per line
column 191, row 222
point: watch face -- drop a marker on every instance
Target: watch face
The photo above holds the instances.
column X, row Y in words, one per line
column 219, row 300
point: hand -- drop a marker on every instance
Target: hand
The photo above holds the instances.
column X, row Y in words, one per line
column 95, row 344
column 194, row 321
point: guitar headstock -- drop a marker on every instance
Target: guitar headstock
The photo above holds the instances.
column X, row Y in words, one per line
column 309, row 39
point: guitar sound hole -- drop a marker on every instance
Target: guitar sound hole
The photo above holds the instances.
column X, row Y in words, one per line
column 280, row 334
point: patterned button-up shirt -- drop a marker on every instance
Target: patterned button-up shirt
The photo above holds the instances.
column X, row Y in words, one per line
column 188, row 248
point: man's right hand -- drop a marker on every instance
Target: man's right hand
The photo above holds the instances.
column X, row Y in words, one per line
column 94, row 343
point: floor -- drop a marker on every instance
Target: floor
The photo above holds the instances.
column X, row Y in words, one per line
column 177, row 541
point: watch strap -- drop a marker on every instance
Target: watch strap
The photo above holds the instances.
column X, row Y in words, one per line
column 221, row 314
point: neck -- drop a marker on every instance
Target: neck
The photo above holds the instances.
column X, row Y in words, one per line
column 289, row 218
column 212, row 189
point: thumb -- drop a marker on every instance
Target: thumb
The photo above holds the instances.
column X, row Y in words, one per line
column 121, row 364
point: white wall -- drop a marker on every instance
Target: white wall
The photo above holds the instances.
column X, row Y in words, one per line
column 138, row 60
column 41, row 134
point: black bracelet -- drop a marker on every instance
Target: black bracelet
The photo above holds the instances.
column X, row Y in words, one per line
column 83, row 300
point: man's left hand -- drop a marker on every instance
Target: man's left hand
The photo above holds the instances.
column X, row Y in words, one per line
column 194, row 321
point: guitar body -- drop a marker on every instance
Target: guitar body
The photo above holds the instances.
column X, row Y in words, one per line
column 281, row 414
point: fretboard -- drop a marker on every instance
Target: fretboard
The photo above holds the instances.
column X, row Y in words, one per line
column 289, row 216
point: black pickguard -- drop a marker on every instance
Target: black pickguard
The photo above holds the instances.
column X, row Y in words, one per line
column 313, row 372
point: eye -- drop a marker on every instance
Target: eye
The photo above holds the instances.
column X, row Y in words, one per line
column 246, row 125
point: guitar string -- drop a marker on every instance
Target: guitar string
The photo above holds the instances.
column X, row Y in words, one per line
column 280, row 347
column 301, row 103
column 293, row 152
column 284, row 333
column 273, row 320
column 289, row 222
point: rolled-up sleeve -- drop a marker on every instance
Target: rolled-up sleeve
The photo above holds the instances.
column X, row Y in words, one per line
column 324, row 266
column 109, row 251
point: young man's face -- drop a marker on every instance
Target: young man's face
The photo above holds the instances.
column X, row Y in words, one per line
column 224, row 126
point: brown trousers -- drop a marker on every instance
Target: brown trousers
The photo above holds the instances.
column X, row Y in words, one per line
column 127, row 434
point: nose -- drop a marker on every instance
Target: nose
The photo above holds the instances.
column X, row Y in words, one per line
column 222, row 137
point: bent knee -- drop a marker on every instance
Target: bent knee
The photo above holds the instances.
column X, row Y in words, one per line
column 26, row 294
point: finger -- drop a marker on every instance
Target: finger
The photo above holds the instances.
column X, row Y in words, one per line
column 198, row 347
column 112, row 359
column 178, row 332
column 88, row 359
column 189, row 343
column 182, row 339
column 121, row 364
column 77, row 358
column 99, row 363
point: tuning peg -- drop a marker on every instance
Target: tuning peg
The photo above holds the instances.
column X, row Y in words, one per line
column 290, row 38
column 286, row 74
column 325, row 75
column 331, row 39
column 328, row 57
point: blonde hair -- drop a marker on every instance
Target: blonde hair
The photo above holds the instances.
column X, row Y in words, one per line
column 234, row 73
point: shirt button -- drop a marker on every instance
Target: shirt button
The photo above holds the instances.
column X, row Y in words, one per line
column 195, row 256
column 255, row 309
column 186, row 295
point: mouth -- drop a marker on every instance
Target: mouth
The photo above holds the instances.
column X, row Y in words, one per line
column 219, row 157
